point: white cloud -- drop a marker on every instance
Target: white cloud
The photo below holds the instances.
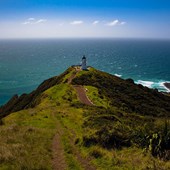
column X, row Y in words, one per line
column 95, row 22
column 123, row 23
column 32, row 21
column 76, row 22
column 40, row 21
column 115, row 22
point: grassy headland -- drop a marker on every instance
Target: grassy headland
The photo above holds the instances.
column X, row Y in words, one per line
column 127, row 128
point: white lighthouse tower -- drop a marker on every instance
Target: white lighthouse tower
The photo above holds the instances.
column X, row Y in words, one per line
column 83, row 65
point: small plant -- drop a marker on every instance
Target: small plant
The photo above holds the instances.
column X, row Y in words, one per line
column 155, row 144
column 159, row 144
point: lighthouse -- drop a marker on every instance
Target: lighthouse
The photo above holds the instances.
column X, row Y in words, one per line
column 83, row 65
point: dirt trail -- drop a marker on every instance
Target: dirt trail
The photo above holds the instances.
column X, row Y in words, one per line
column 59, row 162
column 72, row 77
column 85, row 162
column 82, row 95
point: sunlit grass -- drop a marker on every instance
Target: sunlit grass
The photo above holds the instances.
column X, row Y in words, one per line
column 93, row 95
column 26, row 144
column 26, row 136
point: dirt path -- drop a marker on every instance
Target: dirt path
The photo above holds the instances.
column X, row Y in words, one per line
column 59, row 162
column 72, row 77
column 85, row 162
column 81, row 93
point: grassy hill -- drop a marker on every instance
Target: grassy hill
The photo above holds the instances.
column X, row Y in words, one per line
column 126, row 128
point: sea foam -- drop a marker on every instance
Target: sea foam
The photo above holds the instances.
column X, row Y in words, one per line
column 154, row 84
column 145, row 83
column 118, row 75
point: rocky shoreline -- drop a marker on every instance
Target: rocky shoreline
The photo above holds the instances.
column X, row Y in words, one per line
column 167, row 85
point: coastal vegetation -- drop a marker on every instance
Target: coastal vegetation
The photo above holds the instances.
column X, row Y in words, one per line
column 127, row 127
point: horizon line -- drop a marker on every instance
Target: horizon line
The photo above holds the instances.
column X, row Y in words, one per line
column 34, row 38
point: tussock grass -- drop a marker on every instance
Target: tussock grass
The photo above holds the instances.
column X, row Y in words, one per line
column 72, row 162
column 26, row 139
column 24, row 148
column 93, row 94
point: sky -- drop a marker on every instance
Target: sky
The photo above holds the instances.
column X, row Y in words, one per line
column 88, row 18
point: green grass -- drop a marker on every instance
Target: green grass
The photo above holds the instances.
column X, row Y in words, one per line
column 67, row 76
column 124, row 94
column 93, row 94
column 125, row 159
column 26, row 136
column 62, row 94
column 72, row 162
column 26, row 140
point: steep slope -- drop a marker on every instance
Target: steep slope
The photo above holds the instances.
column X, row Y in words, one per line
column 120, row 93
column 17, row 103
column 113, row 133
column 126, row 95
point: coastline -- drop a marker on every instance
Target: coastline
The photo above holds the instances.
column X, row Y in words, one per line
column 167, row 85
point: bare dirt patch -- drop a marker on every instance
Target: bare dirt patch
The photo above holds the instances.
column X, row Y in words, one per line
column 59, row 162
column 81, row 93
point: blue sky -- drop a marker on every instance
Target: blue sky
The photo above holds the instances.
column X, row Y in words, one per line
column 88, row 18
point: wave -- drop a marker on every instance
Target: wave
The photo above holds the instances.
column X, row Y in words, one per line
column 145, row 83
column 155, row 85
column 118, row 75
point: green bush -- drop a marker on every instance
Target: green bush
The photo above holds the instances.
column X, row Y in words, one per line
column 159, row 143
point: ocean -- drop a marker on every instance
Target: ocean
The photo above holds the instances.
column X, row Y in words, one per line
column 24, row 64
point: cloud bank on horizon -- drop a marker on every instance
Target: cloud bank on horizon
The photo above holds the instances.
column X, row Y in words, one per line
column 97, row 18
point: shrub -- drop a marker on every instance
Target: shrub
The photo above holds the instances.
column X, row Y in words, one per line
column 159, row 143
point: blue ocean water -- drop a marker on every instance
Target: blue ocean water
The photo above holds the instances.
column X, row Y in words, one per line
column 24, row 64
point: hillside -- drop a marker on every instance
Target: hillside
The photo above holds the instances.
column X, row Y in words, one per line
column 86, row 120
